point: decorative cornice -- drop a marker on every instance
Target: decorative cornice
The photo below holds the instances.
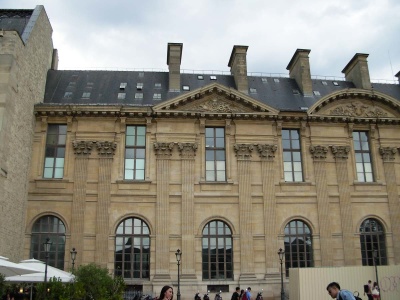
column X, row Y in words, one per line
column 267, row 151
column 163, row 150
column 187, row 150
column 340, row 152
column 318, row 152
column 388, row 153
column 82, row 147
column 106, row 148
column 243, row 151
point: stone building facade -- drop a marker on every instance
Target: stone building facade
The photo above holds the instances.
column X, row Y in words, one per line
column 26, row 52
column 128, row 167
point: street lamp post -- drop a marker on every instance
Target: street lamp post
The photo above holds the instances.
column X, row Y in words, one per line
column 47, row 246
column 281, row 254
column 178, row 255
column 375, row 255
column 73, row 257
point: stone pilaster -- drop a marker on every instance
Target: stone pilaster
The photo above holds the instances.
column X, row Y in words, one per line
column 188, row 153
column 243, row 154
column 388, row 157
column 163, row 152
column 82, row 150
column 106, row 152
column 319, row 153
column 267, row 155
column 341, row 154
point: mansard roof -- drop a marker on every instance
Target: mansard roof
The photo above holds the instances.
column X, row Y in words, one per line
column 66, row 87
column 15, row 19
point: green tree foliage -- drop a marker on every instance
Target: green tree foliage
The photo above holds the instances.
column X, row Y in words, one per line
column 91, row 282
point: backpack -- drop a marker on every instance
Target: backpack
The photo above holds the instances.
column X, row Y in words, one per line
column 358, row 294
column 366, row 288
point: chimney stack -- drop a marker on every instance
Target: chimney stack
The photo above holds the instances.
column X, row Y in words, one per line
column 398, row 76
column 174, row 57
column 238, row 65
column 357, row 72
column 54, row 60
column 299, row 70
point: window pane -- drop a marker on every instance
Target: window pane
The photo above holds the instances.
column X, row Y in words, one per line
column 130, row 141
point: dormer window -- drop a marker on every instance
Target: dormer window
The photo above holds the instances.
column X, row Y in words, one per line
column 213, row 77
column 122, row 85
column 139, row 86
column 185, row 88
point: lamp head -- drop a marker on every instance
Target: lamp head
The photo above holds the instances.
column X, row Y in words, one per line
column 178, row 255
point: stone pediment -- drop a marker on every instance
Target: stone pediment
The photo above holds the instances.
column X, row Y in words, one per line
column 215, row 99
column 357, row 104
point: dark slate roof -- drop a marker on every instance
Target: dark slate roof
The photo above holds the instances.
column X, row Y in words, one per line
column 68, row 87
column 15, row 19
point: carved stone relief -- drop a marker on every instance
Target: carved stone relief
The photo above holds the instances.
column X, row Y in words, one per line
column 340, row 152
column 187, row 150
column 82, row 147
column 243, row 151
column 217, row 104
column 106, row 148
column 319, row 152
column 388, row 153
column 267, row 151
column 359, row 109
column 163, row 150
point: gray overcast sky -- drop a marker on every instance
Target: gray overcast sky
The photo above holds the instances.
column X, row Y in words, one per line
column 125, row 34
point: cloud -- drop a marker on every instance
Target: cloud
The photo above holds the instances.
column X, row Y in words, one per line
column 127, row 34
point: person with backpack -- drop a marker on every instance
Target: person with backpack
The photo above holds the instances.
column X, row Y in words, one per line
column 236, row 295
column 336, row 293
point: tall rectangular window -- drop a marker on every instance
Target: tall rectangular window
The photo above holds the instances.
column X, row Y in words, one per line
column 292, row 165
column 363, row 156
column 55, row 151
column 215, row 154
column 135, row 152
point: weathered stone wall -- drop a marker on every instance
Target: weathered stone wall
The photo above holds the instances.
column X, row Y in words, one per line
column 23, row 70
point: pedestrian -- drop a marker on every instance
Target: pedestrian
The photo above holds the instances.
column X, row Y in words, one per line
column 375, row 291
column 247, row 294
column 336, row 293
column 236, row 295
column 167, row 293
column 368, row 290
column 241, row 294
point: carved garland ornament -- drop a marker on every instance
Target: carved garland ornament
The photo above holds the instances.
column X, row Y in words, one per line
column 187, row 150
column 243, row 151
column 82, row 147
column 106, row 148
column 388, row 153
column 163, row 150
column 267, row 151
column 216, row 105
column 356, row 109
column 319, row 152
column 340, row 152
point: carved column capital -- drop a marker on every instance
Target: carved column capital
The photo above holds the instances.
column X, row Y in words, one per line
column 318, row 152
column 388, row 153
column 267, row 151
column 187, row 150
column 82, row 147
column 340, row 152
column 243, row 151
column 163, row 150
column 106, row 148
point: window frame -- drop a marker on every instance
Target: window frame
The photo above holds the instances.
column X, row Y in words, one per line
column 138, row 269
column 292, row 156
column 214, row 150
column 138, row 152
column 212, row 235
column 38, row 237
column 361, row 156
column 306, row 254
column 373, row 237
column 57, row 148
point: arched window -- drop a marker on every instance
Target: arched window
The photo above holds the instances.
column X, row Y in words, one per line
column 372, row 237
column 132, row 249
column 53, row 228
column 298, row 246
column 217, row 251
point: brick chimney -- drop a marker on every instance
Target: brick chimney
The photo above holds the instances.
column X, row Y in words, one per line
column 174, row 57
column 357, row 72
column 398, row 76
column 238, row 65
column 54, row 61
column 299, row 70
